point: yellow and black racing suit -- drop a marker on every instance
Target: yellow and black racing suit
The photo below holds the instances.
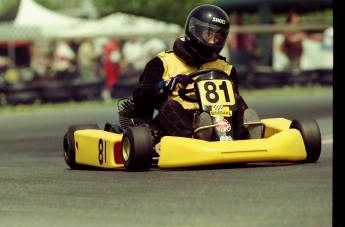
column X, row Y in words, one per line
column 175, row 114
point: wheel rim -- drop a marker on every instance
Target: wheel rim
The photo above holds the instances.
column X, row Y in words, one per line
column 125, row 149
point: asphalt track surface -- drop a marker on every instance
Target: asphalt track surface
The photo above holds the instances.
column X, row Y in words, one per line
column 38, row 189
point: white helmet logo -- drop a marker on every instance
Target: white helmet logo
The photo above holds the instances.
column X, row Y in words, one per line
column 218, row 20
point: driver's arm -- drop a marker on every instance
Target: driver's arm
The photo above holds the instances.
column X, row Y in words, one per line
column 145, row 97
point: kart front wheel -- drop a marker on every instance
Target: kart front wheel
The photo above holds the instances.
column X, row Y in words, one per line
column 137, row 149
column 69, row 144
column 311, row 135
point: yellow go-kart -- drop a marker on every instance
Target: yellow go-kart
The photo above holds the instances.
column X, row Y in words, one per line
column 137, row 144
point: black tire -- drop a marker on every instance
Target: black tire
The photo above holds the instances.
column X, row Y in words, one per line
column 69, row 146
column 311, row 136
column 137, row 149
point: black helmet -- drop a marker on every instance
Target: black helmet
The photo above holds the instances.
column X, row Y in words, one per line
column 207, row 21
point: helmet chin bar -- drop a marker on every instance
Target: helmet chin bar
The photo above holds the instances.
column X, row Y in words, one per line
column 201, row 53
column 214, row 57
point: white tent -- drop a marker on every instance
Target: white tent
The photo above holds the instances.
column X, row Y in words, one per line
column 123, row 25
column 31, row 13
column 31, row 22
column 40, row 20
column 51, row 23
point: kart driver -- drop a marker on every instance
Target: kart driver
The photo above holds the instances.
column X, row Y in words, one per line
column 206, row 30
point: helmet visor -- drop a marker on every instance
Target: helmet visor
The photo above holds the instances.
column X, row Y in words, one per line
column 207, row 33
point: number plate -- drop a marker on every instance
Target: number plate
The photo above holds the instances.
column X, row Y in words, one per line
column 218, row 92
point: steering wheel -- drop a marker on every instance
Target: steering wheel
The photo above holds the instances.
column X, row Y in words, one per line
column 203, row 71
column 183, row 92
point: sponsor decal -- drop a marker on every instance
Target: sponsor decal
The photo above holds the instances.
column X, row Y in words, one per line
column 218, row 20
column 226, row 138
column 223, row 125
column 218, row 110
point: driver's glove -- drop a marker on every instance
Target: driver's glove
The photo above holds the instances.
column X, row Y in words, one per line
column 168, row 86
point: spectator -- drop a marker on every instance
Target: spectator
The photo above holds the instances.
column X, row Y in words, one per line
column 40, row 63
column 241, row 47
column 292, row 45
column 134, row 56
column 153, row 46
column 86, row 59
column 64, row 60
column 5, row 63
column 112, row 64
column 99, row 44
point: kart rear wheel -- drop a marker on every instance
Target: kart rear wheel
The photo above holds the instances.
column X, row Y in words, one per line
column 69, row 144
column 311, row 135
column 137, row 149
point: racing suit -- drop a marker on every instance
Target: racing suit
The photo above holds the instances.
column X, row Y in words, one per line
column 174, row 114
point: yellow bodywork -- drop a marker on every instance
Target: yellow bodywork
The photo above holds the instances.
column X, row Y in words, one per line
column 98, row 148
column 275, row 125
column 279, row 144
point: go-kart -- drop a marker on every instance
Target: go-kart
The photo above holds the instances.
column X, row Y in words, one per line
column 136, row 144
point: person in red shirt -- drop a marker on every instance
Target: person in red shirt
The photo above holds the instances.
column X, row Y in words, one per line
column 112, row 63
